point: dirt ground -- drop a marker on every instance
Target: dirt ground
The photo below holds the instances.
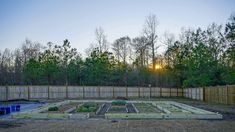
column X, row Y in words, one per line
column 103, row 125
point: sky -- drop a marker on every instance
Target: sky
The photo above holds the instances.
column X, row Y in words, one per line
column 55, row 20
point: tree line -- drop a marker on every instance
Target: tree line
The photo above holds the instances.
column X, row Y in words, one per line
column 199, row 57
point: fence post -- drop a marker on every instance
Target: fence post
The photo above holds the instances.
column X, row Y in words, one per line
column 227, row 94
column 188, row 93
column 113, row 92
column 126, row 92
column 99, row 91
column 67, row 94
column 170, row 91
column 150, row 92
column 183, row 92
column 204, row 94
column 139, row 92
column 177, row 94
column 48, row 92
column 191, row 93
column 83, row 92
column 160, row 91
column 211, row 100
column 28, row 93
column 7, row 92
column 208, row 94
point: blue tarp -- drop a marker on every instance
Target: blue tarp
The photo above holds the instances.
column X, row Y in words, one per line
column 24, row 106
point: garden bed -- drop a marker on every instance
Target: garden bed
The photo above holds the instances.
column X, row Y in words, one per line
column 118, row 106
column 146, row 108
column 88, row 107
column 59, row 110
column 65, row 108
column 168, row 108
column 131, row 108
column 117, row 109
column 103, row 109
column 120, row 109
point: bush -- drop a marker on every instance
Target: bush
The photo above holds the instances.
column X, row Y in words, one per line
column 53, row 108
column 82, row 109
column 88, row 107
column 119, row 102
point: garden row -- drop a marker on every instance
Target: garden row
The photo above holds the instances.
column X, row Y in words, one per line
column 121, row 109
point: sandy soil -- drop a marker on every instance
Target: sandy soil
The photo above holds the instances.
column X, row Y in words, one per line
column 102, row 125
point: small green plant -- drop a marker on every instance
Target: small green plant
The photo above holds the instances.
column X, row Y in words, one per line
column 88, row 107
column 119, row 102
column 55, row 108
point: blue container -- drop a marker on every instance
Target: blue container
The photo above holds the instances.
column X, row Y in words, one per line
column 7, row 110
column 3, row 110
column 17, row 107
column 13, row 107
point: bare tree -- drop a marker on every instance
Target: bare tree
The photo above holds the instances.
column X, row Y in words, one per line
column 116, row 47
column 30, row 49
column 101, row 40
column 6, row 67
column 89, row 50
column 121, row 48
column 150, row 33
column 18, row 66
column 169, row 40
column 140, row 46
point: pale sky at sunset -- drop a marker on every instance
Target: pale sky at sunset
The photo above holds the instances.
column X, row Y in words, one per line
column 76, row 20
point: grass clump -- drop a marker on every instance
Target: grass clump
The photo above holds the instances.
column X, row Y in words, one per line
column 119, row 102
column 55, row 108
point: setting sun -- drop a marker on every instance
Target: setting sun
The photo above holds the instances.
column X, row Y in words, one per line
column 158, row 67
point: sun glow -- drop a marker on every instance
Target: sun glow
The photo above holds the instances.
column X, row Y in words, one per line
column 157, row 67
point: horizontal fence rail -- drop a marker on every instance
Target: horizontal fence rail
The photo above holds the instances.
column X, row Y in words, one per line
column 72, row 92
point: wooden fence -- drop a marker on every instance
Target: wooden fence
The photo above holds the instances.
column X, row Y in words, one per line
column 71, row 92
column 194, row 93
column 218, row 94
column 215, row 94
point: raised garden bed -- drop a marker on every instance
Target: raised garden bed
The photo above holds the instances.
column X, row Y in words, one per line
column 118, row 109
column 118, row 106
column 169, row 108
column 64, row 108
column 131, row 108
column 87, row 107
column 90, row 108
column 103, row 109
column 59, row 110
column 146, row 108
